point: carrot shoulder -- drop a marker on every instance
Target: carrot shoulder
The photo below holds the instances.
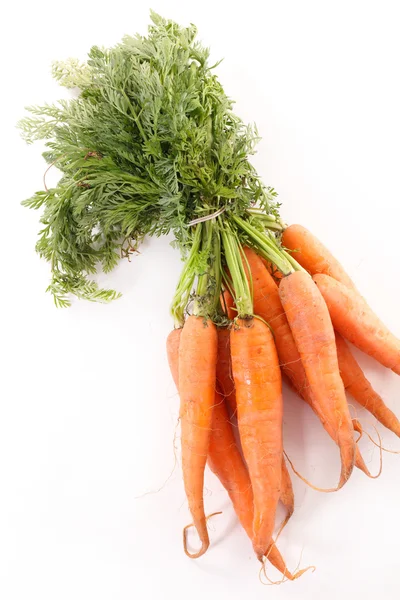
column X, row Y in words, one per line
column 313, row 333
column 360, row 388
column 197, row 379
column 258, row 386
column 354, row 320
column 312, row 255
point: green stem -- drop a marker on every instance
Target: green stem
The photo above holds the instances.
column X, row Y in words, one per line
column 296, row 266
column 208, row 290
column 186, row 281
column 247, row 272
column 265, row 246
column 217, row 266
column 242, row 295
column 204, row 279
column 268, row 221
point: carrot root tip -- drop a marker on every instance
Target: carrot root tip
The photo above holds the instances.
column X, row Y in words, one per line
column 204, row 542
column 301, row 572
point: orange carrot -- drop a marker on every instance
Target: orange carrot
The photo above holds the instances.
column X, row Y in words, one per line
column 225, row 461
column 360, row 388
column 312, row 254
column 272, row 270
column 354, row 320
column 287, row 495
column 198, row 347
column 228, row 305
column 226, row 384
column 258, row 386
column 173, row 342
column 313, row 333
column 224, row 369
column 268, row 305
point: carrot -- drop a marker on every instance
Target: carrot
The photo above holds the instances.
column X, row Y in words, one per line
column 287, row 495
column 197, row 368
column 268, row 305
column 228, row 305
column 258, row 386
column 173, row 342
column 272, row 270
column 226, row 384
column 360, row 388
column 313, row 255
column 354, row 320
column 224, row 369
column 313, row 333
column 225, row 461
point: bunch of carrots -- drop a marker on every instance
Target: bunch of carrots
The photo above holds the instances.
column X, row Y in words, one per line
column 296, row 330
column 152, row 146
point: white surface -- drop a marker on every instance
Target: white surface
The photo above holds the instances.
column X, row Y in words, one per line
column 88, row 408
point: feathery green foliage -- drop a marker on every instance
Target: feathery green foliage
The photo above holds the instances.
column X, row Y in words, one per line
column 150, row 144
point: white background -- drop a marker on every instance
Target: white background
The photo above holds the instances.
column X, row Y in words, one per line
column 91, row 501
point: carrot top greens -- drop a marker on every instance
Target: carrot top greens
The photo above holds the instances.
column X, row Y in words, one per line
column 150, row 144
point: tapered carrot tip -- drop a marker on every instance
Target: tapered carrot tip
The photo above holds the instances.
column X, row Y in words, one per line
column 203, row 549
column 205, row 542
column 360, row 388
column 286, row 575
column 301, row 572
